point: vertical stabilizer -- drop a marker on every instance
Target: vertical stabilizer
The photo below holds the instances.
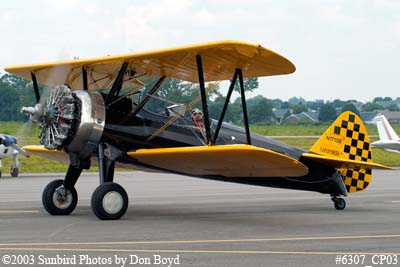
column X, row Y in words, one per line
column 385, row 130
column 347, row 138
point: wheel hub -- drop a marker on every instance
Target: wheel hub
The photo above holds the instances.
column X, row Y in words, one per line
column 62, row 198
column 112, row 202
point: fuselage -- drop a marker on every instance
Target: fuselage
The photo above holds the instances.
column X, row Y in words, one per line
column 130, row 133
column 82, row 122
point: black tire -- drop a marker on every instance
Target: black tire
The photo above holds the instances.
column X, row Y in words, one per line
column 14, row 171
column 109, row 192
column 0, row 174
column 340, row 203
column 52, row 206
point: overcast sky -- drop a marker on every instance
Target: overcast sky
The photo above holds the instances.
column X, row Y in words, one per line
column 347, row 49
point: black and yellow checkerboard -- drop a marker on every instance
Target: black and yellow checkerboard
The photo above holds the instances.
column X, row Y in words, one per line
column 347, row 139
column 356, row 146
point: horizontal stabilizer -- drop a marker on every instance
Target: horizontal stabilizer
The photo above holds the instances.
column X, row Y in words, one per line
column 224, row 160
column 344, row 163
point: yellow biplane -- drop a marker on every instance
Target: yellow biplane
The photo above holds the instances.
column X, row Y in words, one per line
column 92, row 112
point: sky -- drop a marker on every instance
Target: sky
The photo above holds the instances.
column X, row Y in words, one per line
column 342, row 49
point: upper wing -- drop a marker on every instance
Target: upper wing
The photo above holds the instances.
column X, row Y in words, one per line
column 224, row 160
column 219, row 59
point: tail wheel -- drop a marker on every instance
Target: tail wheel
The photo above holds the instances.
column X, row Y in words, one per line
column 339, row 203
column 59, row 200
column 14, row 171
column 109, row 201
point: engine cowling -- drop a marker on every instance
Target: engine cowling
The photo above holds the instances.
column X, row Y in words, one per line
column 70, row 120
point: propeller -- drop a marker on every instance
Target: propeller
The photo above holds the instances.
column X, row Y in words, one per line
column 47, row 109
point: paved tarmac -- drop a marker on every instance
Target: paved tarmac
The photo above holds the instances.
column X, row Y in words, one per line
column 181, row 221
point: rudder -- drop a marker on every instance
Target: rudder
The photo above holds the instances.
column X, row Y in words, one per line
column 347, row 138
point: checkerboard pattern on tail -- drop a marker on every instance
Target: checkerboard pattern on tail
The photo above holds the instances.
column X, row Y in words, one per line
column 347, row 138
column 357, row 147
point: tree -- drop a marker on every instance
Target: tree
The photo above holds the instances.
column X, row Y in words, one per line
column 393, row 107
column 285, row 105
column 15, row 93
column 327, row 113
column 177, row 91
column 261, row 112
column 351, row 107
column 296, row 100
column 369, row 106
column 315, row 105
column 249, row 84
column 299, row 108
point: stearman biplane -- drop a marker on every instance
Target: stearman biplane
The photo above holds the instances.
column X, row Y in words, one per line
column 88, row 115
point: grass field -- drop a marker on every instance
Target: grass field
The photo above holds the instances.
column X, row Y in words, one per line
column 28, row 135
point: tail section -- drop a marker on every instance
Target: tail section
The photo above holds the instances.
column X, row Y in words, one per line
column 346, row 145
column 385, row 130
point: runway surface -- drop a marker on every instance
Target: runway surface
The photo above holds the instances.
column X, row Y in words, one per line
column 196, row 222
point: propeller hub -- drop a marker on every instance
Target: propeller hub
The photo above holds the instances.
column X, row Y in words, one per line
column 70, row 120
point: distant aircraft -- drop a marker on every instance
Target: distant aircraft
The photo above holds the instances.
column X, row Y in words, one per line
column 8, row 148
column 388, row 139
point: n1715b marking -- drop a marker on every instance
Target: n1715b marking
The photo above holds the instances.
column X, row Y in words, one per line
column 334, row 139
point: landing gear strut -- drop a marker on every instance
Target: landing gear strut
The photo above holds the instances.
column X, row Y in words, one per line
column 109, row 200
column 339, row 203
column 14, row 171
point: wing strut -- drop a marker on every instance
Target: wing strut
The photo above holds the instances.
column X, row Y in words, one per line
column 119, row 80
column 228, row 97
column 35, row 87
column 84, row 79
column 237, row 74
column 204, row 99
column 244, row 107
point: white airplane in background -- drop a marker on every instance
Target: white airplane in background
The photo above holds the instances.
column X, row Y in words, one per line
column 388, row 139
column 8, row 148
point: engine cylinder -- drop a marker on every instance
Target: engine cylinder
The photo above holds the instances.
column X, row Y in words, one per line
column 71, row 120
column 90, row 128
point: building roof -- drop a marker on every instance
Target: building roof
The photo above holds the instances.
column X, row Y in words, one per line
column 280, row 112
column 368, row 116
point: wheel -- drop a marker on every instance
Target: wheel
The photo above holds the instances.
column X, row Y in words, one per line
column 340, row 203
column 58, row 200
column 109, row 201
column 0, row 174
column 14, row 171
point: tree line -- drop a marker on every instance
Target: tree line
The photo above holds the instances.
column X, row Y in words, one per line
column 16, row 92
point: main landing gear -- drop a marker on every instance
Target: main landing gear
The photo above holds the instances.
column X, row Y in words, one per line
column 14, row 171
column 109, row 200
column 339, row 203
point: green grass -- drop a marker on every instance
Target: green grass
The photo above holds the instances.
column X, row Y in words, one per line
column 379, row 155
column 28, row 135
